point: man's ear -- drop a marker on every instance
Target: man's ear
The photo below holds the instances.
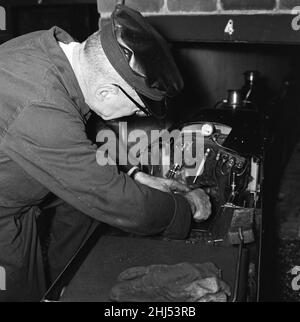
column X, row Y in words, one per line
column 105, row 91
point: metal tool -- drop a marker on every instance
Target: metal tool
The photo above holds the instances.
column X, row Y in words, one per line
column 241, row 232
column 242, row 218
column 201, row 165
column 172, row 172
column 238, row 266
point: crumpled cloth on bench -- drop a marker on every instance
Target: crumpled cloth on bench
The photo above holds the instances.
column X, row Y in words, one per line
column 183, row 282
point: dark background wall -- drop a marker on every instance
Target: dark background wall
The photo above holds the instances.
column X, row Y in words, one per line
column 78, row 17
column 209, row 70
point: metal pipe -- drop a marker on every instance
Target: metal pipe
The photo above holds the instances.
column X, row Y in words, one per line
column 238, row 266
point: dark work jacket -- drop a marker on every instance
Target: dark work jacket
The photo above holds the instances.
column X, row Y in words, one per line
column 44, row 147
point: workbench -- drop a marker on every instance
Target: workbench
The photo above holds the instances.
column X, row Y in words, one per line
column 93, row 271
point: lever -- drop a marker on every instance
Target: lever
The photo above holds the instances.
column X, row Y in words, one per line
column 201, row 165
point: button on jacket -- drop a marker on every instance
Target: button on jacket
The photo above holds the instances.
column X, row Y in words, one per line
column 44, row 148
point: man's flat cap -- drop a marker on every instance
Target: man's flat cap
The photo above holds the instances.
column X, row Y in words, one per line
column 141, row 57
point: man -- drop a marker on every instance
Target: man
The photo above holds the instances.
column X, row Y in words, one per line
column 49, row 84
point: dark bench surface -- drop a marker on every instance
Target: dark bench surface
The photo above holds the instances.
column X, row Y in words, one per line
column 113, row 254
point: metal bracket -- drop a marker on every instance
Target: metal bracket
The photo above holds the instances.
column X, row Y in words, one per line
column 229, row 28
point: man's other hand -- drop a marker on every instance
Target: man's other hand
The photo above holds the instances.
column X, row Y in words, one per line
column 200, row 204
column 162, row 184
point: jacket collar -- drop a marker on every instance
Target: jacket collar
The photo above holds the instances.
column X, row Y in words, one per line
column 49, row 41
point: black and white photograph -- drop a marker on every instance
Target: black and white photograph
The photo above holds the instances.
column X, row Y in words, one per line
column 150, row 154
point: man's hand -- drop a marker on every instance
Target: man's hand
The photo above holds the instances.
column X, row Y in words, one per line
column 165, row 185
column 200, row 204
column 198, row 199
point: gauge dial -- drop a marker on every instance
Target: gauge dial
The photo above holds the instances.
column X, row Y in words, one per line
column 207, row 129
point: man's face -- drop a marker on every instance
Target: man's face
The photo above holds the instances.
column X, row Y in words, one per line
column 111, row 103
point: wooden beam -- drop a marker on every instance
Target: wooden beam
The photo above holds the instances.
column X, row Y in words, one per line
column 259, row 28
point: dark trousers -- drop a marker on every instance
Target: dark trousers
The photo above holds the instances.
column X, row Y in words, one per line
column 21, row 260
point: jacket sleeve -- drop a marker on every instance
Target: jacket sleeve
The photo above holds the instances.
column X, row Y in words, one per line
column 51, row 145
